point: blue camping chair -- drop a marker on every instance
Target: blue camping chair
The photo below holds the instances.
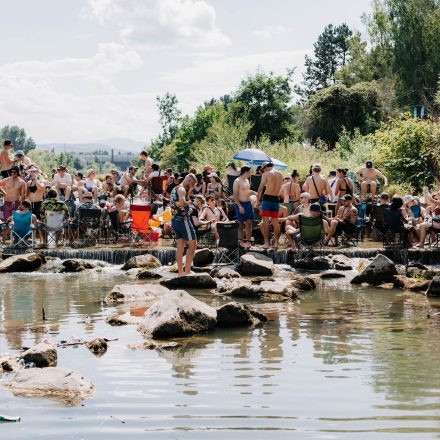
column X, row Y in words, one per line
column 22, row 230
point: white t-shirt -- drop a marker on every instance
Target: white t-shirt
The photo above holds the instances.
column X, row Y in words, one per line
column 91, row 183
column 155, row 174
column 66, row 179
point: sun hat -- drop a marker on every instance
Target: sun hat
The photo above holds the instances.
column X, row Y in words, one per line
column 407, row 199
column 306, row 195
column 90, row 171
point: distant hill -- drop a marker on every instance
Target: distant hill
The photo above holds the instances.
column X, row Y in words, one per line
column 118, row 145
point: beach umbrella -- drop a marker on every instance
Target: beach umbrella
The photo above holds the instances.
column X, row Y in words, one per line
column 278, row 165
column 252, row 155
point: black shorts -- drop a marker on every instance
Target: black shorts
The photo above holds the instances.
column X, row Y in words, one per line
column 36, row 207
column 348, row 228
column 5, row 173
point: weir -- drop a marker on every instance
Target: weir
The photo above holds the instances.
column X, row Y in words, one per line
column 167, row 255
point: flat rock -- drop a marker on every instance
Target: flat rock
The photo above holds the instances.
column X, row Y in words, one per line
column 97, row 346
column 253, row 263
column 42, row 355
column 331, row 274
column 50, row 382
column 195, row 281
column 303, row 283
column 342, row 267
column 434, row 288
column 235, row 314
column 159, row 345
column 135, row 292
column 145, row 261
column 380, row 270
column 315, row 264
column 148, row 274
column 414, row 284
column 203, row 257
column 176, row 314
column 8, row 364
column 76, row 265
column 224, row 272
column 267, row 291
column 22, row 263
column 124, row 319
column 258, row 280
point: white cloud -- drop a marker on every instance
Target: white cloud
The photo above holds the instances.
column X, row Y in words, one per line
column 160, row 23
column 271, row 31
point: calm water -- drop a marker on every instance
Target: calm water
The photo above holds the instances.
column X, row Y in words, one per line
column 343, row 363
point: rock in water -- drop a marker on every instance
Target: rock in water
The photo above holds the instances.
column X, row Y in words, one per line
column 145, row 261
column 195, row 280
column 178, row 314
column 331, row 274
column 414, row 284
column 253, row 263
column 235, row 314
column 316, row 263
column 8, row 364
column 203, row 257
column 42, row 355
column 74, row 265
column 97, row 346
column 135, row 292
column 146, row 274
column 303, row 283
column 434, row 287
column 224, row 272
column 380, row 270
column 266, row 291
column 22, row 263
column 52, row 381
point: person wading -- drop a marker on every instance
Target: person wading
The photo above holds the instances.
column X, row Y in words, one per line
column 271, row 183
column 184, row 231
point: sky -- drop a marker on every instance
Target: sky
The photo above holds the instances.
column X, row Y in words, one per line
column 82, row 70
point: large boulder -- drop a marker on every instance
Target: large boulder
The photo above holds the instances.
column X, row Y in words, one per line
column 192, row 281
column 235, row 314
column 41, row 355
column 434, row 288
column 253, row 263
column 22, row 263
column 145, row 261
column 75, row 265
column 203, row 257
column 380, row 270
column 135, row 293
column 178, row 314
column 50, row 382
column 413, row 284
column 266, row 291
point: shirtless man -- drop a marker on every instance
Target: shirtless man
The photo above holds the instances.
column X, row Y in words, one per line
column 369, row 175
column 317, row 185
column 35, row 189
column 243, row 206
column 271, row 182
column 6, row 161
column 14, row 193
column 128, row 181
column 143, row 155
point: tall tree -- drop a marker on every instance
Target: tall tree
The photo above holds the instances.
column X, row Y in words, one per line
column 18, row 138
column 331, row 51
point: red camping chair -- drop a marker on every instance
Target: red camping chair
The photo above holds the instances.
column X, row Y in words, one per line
column 140, row 226
column 159, row 185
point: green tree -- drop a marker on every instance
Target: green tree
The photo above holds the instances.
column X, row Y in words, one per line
column 331, row 51
column 338, row 107
column 18, row 138
column 263, row 100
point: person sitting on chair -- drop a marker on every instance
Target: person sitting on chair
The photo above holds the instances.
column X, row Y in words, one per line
column 123, row 212
column 344, row 221
column 211, row 215
column 62, row 181
column 435, row 216
column 92, row 184
column 128, row 181
column 23, row 210
column 369, row 176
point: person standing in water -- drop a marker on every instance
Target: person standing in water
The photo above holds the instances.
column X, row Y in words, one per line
column 184, row 231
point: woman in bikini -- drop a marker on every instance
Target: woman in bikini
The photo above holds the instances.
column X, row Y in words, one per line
column 344, row 185
column 214, row 187
column 200, row 187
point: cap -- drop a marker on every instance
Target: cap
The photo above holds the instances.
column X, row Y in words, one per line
column 306, row 195
column 287, row 176
column 61, row 168
column 87, row 195
column 315, row 207
column 19, row 153
column 90, row 172
column 384, row 196
column 266, row 164
column 347, row 197
column 133, row 167
column 213, row 175
column 369, row 164
column 407, row 199
column 207, row 168
column 316, row 166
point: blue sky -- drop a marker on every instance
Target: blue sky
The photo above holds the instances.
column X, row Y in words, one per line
column 82, row 70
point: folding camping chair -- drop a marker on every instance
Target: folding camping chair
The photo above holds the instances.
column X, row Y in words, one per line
column 158, row 185
column 310, row 237
column 22, row 230
column 54, row 227
column 118, row 229
column 89, row 223
column 231, row 180
column 228, row 245
column 140, row 225
column 255, row 181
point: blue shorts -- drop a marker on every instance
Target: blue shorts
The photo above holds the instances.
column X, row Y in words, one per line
column 183, row 228
column 248, row 212
column 270, row 206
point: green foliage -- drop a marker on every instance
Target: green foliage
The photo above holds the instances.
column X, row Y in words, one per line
column 408, row 151
column 337, row 107
column 18, row 137
column 263, row 101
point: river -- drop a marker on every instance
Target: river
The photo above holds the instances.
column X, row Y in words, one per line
column 342, row 363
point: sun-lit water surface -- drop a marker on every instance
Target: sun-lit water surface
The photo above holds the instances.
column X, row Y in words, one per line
column 343, row 363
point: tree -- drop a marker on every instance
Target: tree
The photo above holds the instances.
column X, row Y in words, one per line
column 331, row 51
column 18, row 138
column 337, row 107
column 407, row 32
column 263, row 101
column 169, row 118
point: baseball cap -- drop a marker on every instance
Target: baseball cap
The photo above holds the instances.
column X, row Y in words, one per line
column 266, row 164
column 384, row 196
column 213, row 175
column 315, row 207
column 347, row 197
column 316, row 166
column 407, row 199
column 19, row 153
column 207, row 168
column 306, row 195
column 369, row 164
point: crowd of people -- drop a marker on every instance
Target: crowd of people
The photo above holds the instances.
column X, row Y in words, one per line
column 265, row 203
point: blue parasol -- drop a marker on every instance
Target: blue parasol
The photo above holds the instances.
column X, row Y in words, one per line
column 252, row 155
column 278, row 165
